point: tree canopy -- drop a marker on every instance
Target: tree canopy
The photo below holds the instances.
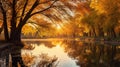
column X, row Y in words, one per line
column 16, row 13
column 85, row 17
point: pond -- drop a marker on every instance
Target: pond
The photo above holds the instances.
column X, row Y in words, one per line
column 61, row 53
column 72, row 53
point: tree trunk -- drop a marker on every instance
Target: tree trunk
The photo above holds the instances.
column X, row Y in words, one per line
column 89, row 33
column 113, row 33
column 15, row 35
column 108, row 34
column 100, row 32
column 16, row 54
column 6, row 35
column 94, row 33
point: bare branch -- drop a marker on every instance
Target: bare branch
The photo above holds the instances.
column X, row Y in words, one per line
column 27, row 16
column 49, row 17
column 23, row 12
column 44, row 9
column 1, row 29
column 63, row 13
column 1, row 7
column 4, row 21
column 14, row 14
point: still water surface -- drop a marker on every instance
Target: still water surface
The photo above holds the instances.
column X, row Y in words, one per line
column 72, row 53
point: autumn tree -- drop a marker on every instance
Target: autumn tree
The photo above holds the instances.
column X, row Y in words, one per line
column 14, row 14
column 111, row 11
column 90, row 54
column 94, row 22
column 17, row 12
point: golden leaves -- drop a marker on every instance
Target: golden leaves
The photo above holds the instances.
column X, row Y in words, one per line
column 29, row 29
column 97, row 5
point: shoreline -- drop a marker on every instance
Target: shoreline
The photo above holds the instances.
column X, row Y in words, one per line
column 84, row 39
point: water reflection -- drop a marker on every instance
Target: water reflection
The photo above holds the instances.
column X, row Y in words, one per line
column 83, row 54
column 94, row 54
column 13, row 50
column 52, row 49
column 16, row 55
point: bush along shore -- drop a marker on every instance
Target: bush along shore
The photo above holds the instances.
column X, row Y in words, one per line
column 99, row 39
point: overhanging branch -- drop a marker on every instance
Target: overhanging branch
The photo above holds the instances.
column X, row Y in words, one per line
column 27, row 16
column 44, row 9
column 23, row 11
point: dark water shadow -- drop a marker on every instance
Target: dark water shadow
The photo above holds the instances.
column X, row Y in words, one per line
column 94, row 54
column 10, row 54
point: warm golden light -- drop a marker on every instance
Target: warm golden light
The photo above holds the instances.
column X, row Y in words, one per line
column 58, row 27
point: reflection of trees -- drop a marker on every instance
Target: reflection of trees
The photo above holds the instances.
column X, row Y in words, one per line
column 47, row 61
column 13, row 49
column 44, row 60
column 46, row 43
column 93, row 55
column 89, row 54
column 28, row 59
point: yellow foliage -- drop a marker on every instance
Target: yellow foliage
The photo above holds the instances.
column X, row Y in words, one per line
column 97, row 5
column 29, row 29
column 28, row 59
column 105, row 6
